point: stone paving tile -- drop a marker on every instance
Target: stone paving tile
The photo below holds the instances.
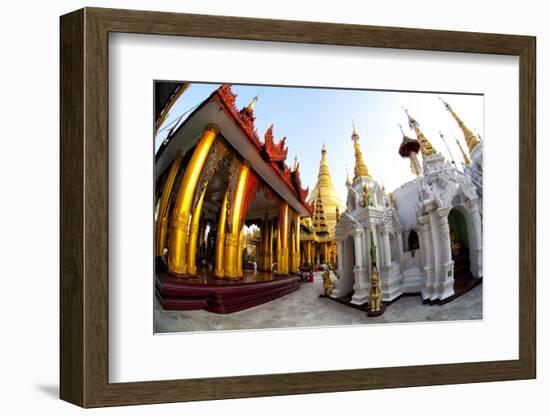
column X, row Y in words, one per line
column 304, row 308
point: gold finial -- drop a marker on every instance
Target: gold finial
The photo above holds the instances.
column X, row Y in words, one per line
column 360, row 166
column 348, row 182
column 467, row 160
column 354, row 132
column 471, row 139
column 392, row 198
column 425, row 145
column 252, row 104
column 324, row 149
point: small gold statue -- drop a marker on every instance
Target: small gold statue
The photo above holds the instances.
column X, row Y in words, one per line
column 367, row 196
column 455, row 244
column 375, row 295
column 327, row 283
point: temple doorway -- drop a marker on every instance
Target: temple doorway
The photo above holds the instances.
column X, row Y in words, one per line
column 460, row 247
column 349, row 261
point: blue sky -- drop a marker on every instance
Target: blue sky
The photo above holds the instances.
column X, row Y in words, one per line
column 309, row 117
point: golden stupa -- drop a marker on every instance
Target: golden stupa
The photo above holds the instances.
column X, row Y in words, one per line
column 324, row 190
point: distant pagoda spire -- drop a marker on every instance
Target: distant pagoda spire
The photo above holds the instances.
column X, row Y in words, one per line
column 360, row 166
column 425, row 146
column 323, row 177
column 472, row 140
column 325, row 191
column 467, row 160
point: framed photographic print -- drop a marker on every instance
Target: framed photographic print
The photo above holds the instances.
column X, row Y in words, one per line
column 254, row 207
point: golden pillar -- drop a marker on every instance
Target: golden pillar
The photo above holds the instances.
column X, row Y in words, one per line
column 240, row 254
column 292, row 251
column 269, row 253
column 177, row 246
column 162, row 215
column 193, row 236
column 220, row 238
column 278, row 245
column 282, row 240
column 297, row 242
column 233, row 254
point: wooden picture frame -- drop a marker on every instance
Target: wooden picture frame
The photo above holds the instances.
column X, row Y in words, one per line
column 84, row 207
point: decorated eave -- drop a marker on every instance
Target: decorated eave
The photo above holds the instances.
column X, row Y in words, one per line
column 275, row 153
column 220, row 108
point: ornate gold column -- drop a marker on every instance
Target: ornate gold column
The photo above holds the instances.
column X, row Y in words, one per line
column 193, row 234
column 269, row 253
column 232, row 255
column 177, row 246
column 292, row 251
column 282, row 261
column 297, row 242
column 220, row 238
column 162, row 215
column 240, row 254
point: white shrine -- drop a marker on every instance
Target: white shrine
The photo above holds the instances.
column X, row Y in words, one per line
column 425, row 233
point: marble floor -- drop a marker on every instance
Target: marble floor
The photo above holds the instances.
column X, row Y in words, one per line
column 304, row 308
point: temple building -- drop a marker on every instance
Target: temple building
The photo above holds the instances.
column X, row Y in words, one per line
column 319, row 238
column 425, row 237
column 214, row 175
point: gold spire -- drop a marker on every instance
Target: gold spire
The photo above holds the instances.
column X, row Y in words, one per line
column 348, row 182
column 360, row 166
column 325, row 193
column 471, row 139
column 467, row 160
column 252, row 103
column 425, row 145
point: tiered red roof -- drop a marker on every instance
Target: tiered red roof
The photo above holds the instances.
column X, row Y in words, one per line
column 273, row 153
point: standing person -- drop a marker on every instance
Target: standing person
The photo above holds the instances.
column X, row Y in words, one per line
column 255, row 264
